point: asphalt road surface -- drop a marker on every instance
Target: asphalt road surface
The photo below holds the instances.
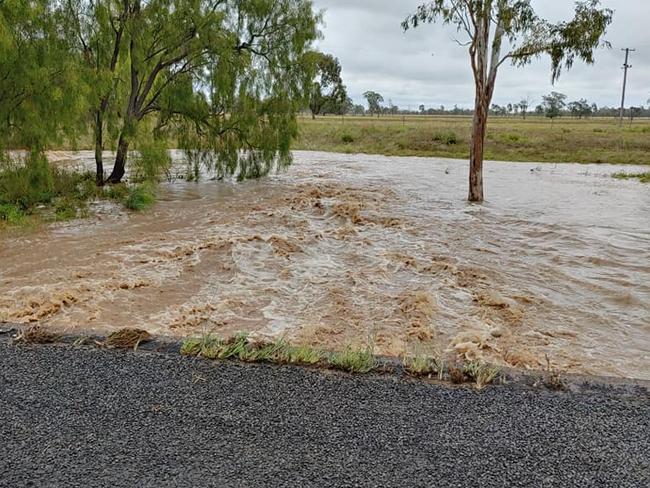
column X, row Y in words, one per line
column 95, row 418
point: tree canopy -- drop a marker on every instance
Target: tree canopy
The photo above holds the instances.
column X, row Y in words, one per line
column 224, row 78
column 328, row 93
column 374, row 100
column 36, row 76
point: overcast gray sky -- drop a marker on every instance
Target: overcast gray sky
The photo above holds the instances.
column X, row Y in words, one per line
column 426, row 66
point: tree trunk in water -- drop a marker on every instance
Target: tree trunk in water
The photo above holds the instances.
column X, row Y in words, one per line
column 120, row 161
column 99, row 146
column 476, row 154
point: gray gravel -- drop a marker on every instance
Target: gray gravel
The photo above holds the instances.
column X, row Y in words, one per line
column 86, row 417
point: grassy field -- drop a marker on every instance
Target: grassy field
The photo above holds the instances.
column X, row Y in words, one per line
column 509, row 139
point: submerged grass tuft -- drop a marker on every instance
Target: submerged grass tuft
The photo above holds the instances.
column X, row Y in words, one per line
column 140, row 197
column 642, row 177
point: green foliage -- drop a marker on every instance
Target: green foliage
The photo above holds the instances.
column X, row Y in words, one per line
column 529, row 35
column 347, row 138
column 65, row 208
column 374, row 100
column 151, row 163
column 11, row 214
column 328, row 93
column 553, row 104
column 140, row 197
column 223, row 78
column 448, row 138
column 40, row 89
column 119, row 192
column 27, row 184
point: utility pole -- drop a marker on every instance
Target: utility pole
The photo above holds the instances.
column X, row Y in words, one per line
column 626, row 66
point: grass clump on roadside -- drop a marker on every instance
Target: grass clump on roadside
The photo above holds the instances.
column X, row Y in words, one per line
column 358, row 360
column 353, row 360
column 127, row 338
column 481, row 374
column 36, row 335
column 243, row 348
column 642, row 177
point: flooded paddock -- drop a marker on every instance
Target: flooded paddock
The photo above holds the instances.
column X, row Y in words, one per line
column 345, row 249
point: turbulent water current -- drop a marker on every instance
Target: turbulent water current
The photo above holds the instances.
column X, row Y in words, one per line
column 350, row 249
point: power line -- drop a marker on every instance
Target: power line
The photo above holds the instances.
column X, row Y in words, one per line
column 626, row 66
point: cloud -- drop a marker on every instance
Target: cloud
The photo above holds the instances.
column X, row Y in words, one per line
column 427, row 66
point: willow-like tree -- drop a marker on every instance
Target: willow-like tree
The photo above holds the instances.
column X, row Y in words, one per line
column 224, row 78
column 489, row 24
column 36, row 74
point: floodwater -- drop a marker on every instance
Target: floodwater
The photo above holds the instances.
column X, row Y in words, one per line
column 346, row 249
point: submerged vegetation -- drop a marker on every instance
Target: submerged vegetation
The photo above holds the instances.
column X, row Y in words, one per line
column 642, row 177
column 33, row 190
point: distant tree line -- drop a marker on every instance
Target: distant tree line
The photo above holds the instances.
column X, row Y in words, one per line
column 552, row 106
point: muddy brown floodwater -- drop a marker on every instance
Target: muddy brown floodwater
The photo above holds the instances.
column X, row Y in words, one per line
column 345, row 249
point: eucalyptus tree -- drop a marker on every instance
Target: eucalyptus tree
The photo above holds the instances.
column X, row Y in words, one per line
column 374, row 100
column 491, row 24
column 328, row 93
column 553, row 104
column 580, row 108
column 523, row 106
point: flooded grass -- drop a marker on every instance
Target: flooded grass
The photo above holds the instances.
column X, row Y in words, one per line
column 140, row 197
column 642, row 177
column 33, row 190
